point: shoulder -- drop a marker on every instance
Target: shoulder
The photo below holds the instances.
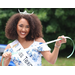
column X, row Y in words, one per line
column 40, row 40
column 11, row 44
column 8, row 46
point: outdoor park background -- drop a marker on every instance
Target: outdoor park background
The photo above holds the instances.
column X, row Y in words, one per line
column 55, row 21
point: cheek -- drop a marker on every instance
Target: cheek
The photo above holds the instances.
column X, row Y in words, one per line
column 29, row 30
column 18, row 29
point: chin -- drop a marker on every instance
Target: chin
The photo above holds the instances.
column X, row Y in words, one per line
column 23, row 37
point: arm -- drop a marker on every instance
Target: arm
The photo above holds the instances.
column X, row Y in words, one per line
column 52, row 57
column 6, row 56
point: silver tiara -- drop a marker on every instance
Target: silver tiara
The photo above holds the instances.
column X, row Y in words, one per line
column 25, row 12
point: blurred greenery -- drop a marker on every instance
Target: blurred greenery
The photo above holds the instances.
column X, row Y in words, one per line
column 55, row 21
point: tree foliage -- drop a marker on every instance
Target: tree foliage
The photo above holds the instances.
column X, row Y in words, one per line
column 55, row 21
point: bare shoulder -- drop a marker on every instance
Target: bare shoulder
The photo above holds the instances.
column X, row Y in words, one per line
column 40, row 40
column 8, row 46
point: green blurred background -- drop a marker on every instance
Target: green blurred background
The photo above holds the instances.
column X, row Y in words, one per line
column 55, row 21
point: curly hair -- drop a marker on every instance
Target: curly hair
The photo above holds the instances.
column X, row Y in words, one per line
column 34, row 22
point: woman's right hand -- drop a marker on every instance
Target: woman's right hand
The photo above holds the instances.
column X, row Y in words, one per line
column 7, row 56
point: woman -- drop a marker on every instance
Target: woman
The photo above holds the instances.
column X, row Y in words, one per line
column 26, row 31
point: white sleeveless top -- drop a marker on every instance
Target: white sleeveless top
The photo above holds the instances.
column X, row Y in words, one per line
column 34, row 54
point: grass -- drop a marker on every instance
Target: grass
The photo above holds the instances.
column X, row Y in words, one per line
column 60, row 62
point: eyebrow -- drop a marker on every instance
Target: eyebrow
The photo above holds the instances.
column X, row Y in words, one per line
column 22, row 24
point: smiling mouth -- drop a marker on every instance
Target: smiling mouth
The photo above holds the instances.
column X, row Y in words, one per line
column 23, row 33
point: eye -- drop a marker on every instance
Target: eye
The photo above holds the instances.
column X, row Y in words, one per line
column 27, row 26
column 21, row 25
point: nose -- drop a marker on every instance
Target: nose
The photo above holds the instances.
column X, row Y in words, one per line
column 23, row 29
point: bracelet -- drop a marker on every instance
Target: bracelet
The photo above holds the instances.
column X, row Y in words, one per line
column 57, row 46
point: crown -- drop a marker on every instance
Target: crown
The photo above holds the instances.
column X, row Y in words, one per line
column 25, row 12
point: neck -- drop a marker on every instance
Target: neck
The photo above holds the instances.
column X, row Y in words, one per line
column 21, row 39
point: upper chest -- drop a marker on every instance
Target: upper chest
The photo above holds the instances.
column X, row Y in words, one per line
column 26, row 44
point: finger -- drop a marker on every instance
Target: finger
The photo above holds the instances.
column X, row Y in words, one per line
column 9, row 55
column 63, row 39
column 59, row 37
column 62, row 35
column 60, row 41
column 4, row 55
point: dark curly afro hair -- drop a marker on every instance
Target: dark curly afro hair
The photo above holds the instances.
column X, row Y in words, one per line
column 34, row 22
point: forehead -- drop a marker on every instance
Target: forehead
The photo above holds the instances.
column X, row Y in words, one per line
column 23, row 21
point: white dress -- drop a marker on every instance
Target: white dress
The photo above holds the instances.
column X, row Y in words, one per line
column 34, row 54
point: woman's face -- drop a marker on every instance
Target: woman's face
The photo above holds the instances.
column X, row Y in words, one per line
column 23, row 28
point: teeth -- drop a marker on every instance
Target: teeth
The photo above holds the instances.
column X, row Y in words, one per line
column 22, row 33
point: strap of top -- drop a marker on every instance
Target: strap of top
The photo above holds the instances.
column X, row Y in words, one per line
column 13, row 43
